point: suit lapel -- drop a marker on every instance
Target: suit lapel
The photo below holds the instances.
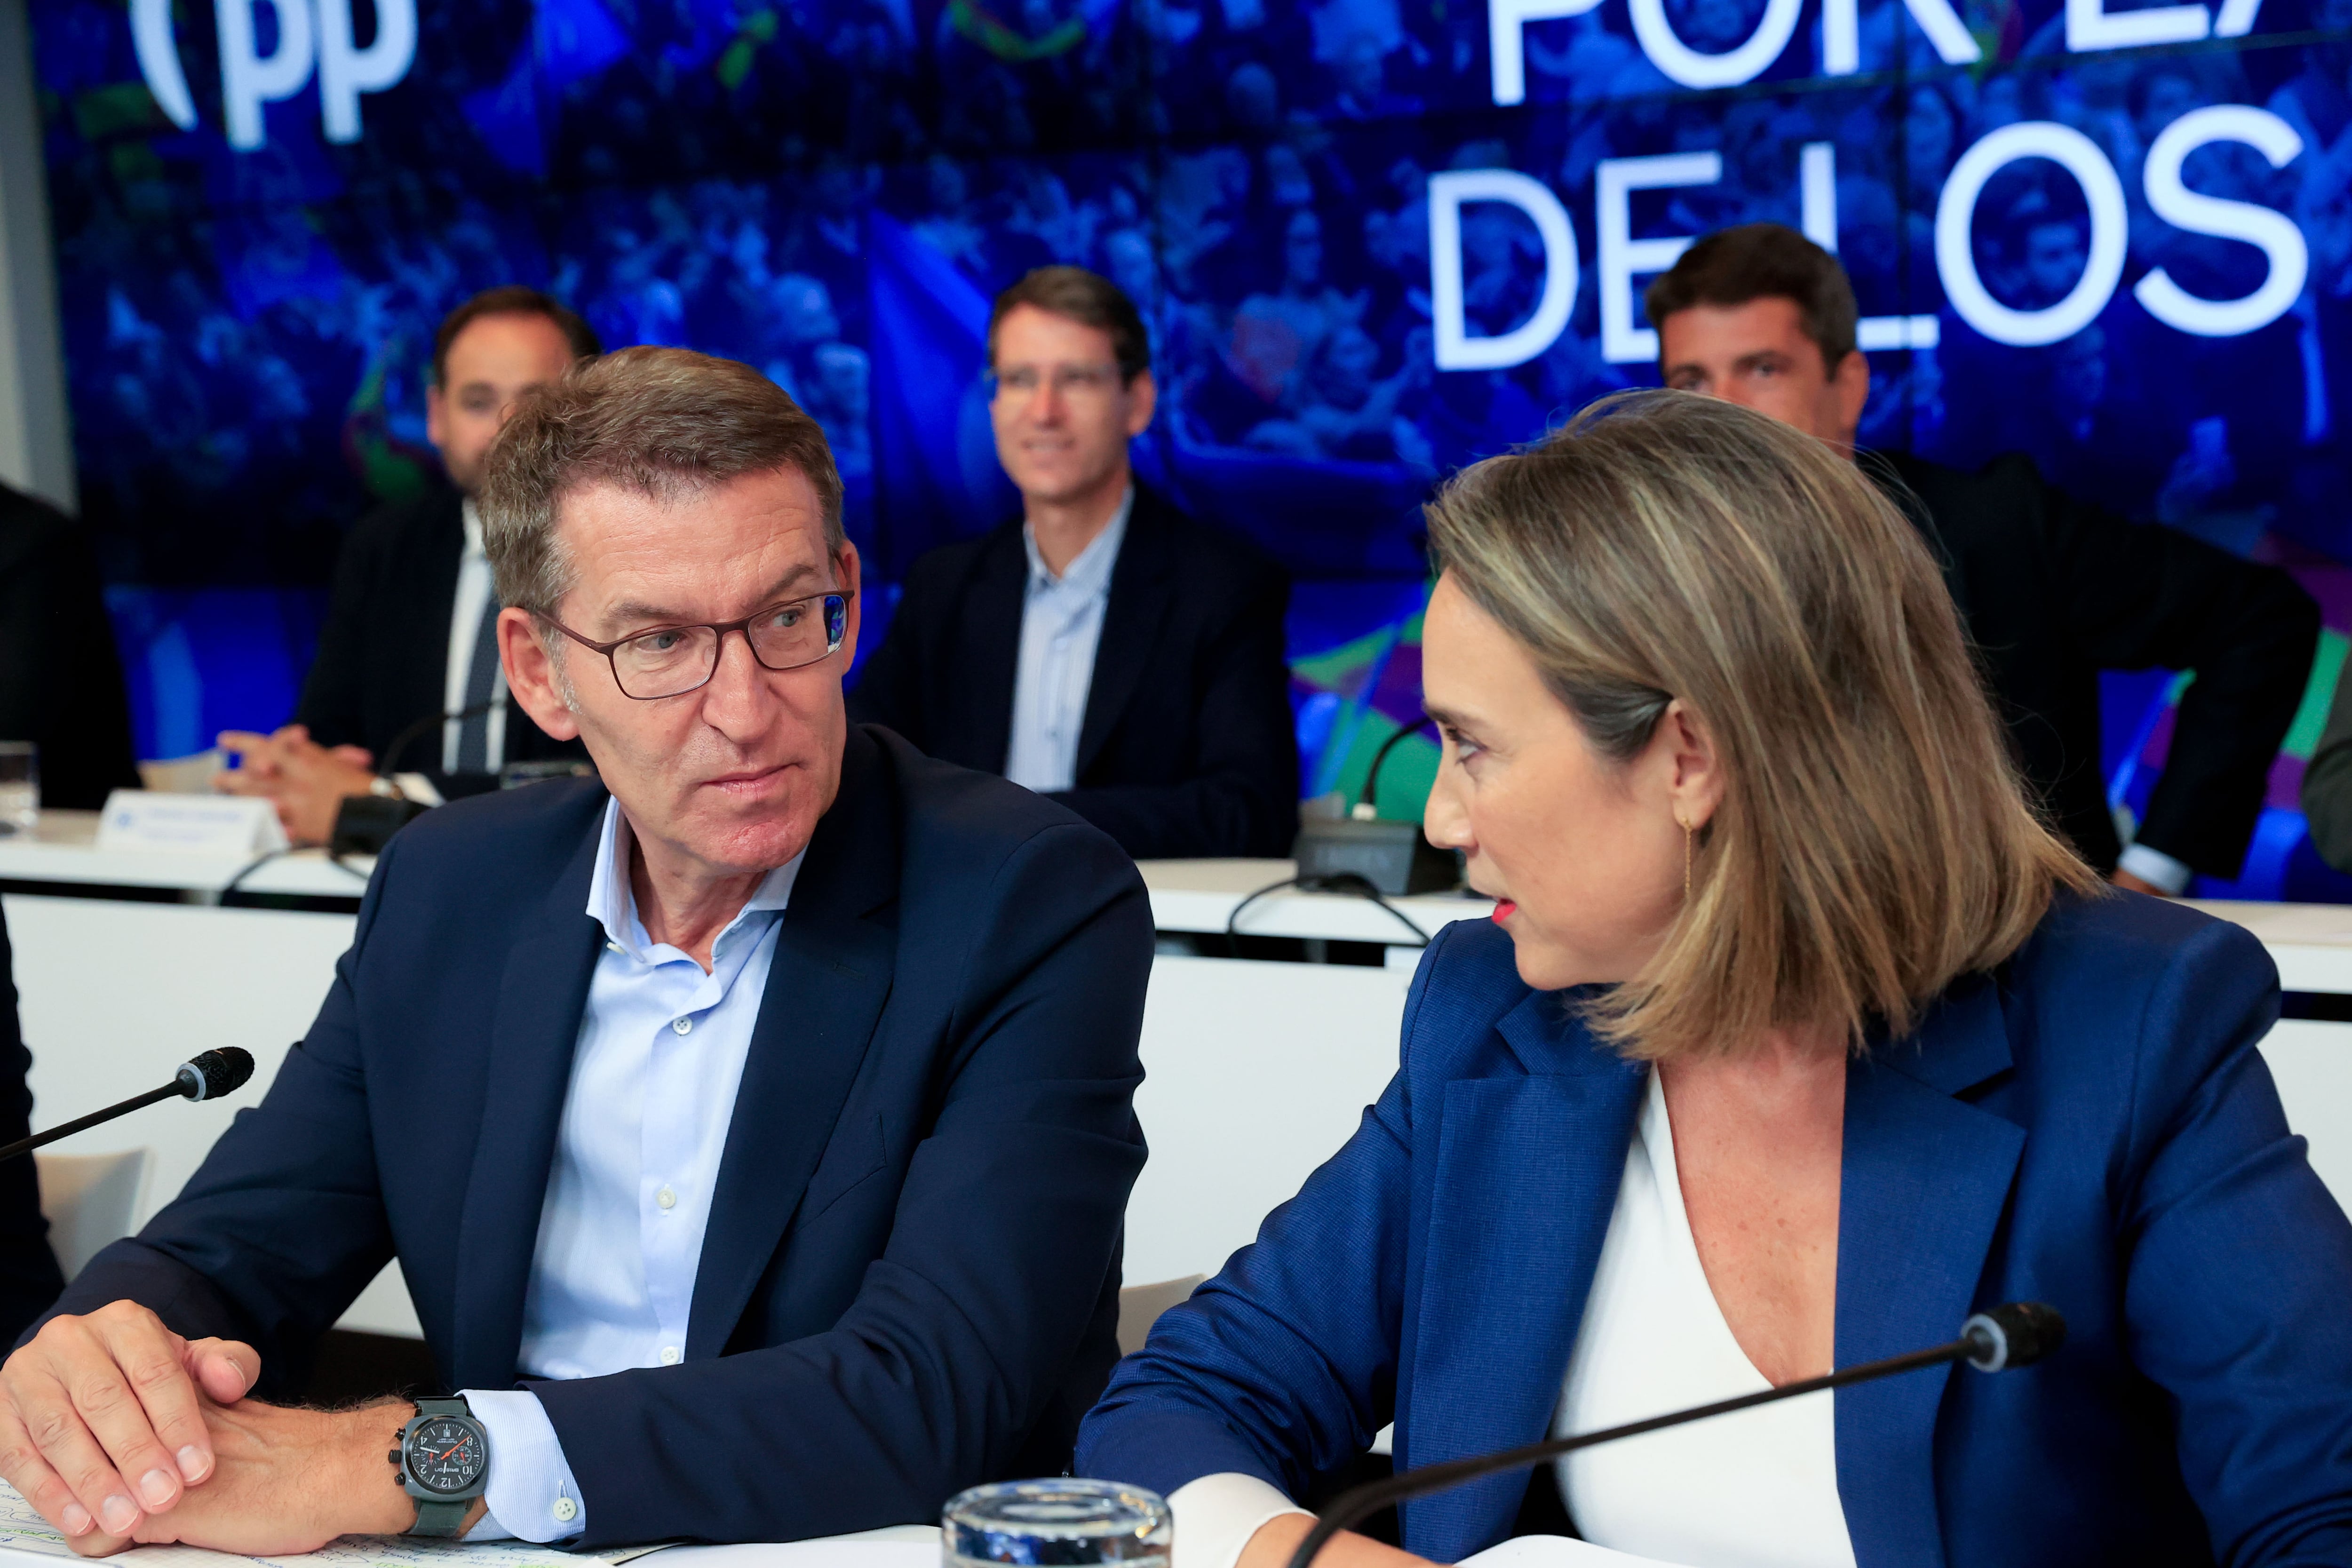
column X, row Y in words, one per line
column 989, row 657
column 1927, row 1178
column 1527, row 1168
column 541, row 999
column 826, row 987
column 1140, row 594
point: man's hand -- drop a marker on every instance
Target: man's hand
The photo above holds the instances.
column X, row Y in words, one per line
column 102, row 1418
column 306, row 781
column 285, row 1481
column 2132, row 884
column 1276, row 1538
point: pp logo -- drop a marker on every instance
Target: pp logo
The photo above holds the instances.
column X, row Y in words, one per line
column 307, row 38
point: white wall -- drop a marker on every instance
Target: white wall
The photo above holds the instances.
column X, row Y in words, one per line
column 36, row 439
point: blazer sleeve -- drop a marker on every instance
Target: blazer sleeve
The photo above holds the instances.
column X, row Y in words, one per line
column 2146, row 595
column 889, row 689
column 2327, row 784
column 29, row 1277
column 1284, row 1365
column 958, row 1339
column 284, row 1224
column 60, row 672
column 1242, row 798
column 2228, row 1234
column 333, row 701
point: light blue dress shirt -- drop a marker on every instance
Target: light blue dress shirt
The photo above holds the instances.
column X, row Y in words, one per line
column 1061, row 627
column 661, row 1053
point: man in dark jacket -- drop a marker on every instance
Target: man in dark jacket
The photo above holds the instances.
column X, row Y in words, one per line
column 2051, row 590
column 61, row 678
column 1102, row 649
column 406, row 640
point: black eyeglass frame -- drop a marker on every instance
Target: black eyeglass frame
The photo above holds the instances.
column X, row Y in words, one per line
column 718, row 646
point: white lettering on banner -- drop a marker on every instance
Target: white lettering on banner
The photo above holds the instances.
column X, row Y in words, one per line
column 1456, row 348
column 1842, row 33
column 1622, row 257
column 159, row 61
column 249, row 80
column 1506, row 50
column 2091, row 26
column 2274, row 234
column 345, row 72
column 1955, row 219
column 1818, row 216
column 1692, row 67
column 2237, row 18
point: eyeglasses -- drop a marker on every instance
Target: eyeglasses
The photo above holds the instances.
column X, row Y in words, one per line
column 670, row 661
column 1067, row 380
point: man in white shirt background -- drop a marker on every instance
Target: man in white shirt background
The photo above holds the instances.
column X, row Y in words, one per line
column 403, row 639
column 1102, row 649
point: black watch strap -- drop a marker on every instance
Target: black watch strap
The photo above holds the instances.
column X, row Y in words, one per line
column 443, row 1517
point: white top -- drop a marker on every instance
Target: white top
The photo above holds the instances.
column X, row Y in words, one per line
column 475, row 584
column 1061, row 628
column 1753, row 1490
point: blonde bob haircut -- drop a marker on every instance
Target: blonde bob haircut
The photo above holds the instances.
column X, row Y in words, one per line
column 1874, row 842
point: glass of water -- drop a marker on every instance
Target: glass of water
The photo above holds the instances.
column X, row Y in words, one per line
column 1056, row 1522
column 20, row 785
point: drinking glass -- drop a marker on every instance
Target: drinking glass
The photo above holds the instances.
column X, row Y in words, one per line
column 20, row 785
column 1058, row 1522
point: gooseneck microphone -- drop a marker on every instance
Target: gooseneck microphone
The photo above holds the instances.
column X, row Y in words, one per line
column 205, row 1077
column 2016, row 1335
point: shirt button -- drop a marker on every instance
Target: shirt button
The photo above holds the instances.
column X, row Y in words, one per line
column 614, row 947
column 669, row 1355
column 681, row 1025
column 565, row 1510
column 666, row 1198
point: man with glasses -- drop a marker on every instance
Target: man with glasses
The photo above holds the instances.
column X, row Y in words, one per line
column 754, row 1138
column 1102, row 649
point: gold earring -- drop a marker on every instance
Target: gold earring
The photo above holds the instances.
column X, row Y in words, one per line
column 1689, row 834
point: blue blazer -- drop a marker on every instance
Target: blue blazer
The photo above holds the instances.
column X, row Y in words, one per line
column 2091, row 1127
column 910, row 1280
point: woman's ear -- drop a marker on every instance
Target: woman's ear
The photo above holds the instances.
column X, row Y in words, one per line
column 1694, row 781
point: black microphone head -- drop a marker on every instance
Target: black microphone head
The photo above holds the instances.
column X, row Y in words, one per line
column 2016, row 1335
column 214, row 1073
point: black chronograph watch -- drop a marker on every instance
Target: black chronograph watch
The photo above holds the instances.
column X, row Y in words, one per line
column 444, row 1461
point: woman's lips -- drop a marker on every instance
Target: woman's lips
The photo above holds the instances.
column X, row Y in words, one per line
column 1504, row 909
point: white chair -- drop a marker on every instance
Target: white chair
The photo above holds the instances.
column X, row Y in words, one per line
column 89, row 1200
column 1139, row 1307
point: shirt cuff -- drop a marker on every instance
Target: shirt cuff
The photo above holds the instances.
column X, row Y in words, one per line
column 1217, row 1515
column 2154, row 868
column 418, row 788
column 531, row 1495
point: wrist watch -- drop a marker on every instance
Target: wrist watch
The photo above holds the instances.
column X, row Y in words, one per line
column 443, row 1462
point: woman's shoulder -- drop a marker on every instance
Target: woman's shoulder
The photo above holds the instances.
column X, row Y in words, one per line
column 2112, row 937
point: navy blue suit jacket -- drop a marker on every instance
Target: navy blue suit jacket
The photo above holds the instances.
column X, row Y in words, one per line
column 2093, row 1127
column 910, row 1280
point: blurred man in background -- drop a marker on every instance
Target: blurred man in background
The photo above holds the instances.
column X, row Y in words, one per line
column 1101, row 649
column 2051, row 590
column 406, row 642
column 60, row 677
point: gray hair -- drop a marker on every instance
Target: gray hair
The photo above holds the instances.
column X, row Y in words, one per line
column 664, row 423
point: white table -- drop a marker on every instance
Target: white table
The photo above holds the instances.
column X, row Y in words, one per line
column 1257, row 1070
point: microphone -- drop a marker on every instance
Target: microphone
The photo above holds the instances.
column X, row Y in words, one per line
column 2018, row 1335
column 387, row 764
column 207, row 1076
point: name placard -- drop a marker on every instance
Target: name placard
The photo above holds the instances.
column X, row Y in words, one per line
column 196, row 824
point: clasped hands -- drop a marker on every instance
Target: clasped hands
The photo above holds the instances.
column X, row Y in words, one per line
column 121, row 1432
column 305, row 781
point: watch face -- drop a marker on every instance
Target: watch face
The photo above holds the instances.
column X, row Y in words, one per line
column 446, row 1454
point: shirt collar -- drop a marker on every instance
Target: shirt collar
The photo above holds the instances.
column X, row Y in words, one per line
column 613, row 905
column 1090, row 572
column 472, row 519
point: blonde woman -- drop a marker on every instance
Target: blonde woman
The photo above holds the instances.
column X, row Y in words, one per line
column 1796, row 1037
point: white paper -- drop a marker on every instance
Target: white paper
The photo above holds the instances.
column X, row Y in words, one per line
column 900, row 1546
column 203, row 824
column 1556, row 1551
